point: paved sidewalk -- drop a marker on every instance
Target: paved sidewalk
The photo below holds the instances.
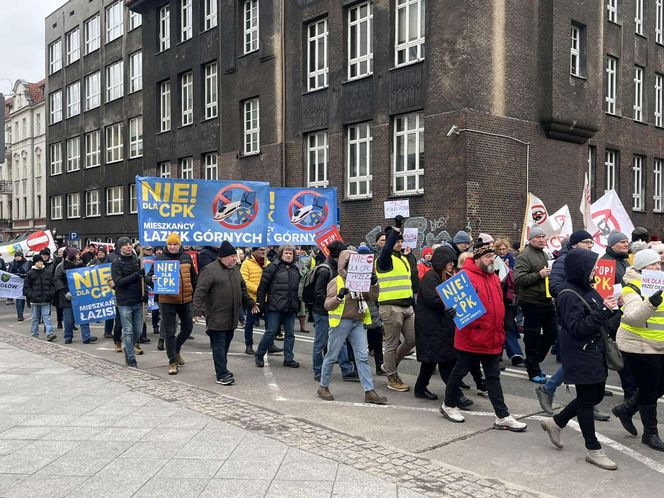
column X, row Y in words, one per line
column 72, row 424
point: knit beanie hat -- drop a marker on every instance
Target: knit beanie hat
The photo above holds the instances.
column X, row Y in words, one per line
column 579, row 236
column 226, row 249
column 427, row 250
column 645, row 258
column 615, row 237
column 335, row 248
column 461, row 237
column 535, row 232
column 481, row 248
column 122, row 241
column 46, row 251
column 174, row 238
column 71, row 253
column 102, row 249
column 36, row 258
column 364, row 249
column 640, row 233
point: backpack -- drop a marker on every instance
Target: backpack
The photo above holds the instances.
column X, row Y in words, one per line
column 305, row 291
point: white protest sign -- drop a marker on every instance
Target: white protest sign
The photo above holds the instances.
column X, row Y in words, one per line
column 396, row 208
column 617, row 291
column 410, row 237
column 500, row 266
column 651, row 282
column 358, row 274
column 11, row 286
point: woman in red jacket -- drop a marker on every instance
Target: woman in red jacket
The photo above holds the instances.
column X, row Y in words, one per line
column 424, row 264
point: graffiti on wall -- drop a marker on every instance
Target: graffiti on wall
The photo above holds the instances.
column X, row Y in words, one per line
column 430, row 231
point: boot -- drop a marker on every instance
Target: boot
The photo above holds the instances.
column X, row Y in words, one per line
column 325, row 394
column 374, row 398
column 179, row 359
column 118, row 347
column 650, row 435
column 599, row 458
column 625, row 412
column 137, row 349
column 173, row 369
column 160, row 344
column 303, row 326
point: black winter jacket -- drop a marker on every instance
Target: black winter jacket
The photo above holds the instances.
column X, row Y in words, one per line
column 206, row 256
column 621, row 263
column 61, row 283
column 434, row 332
column 557, row 275
column 18, row 268
column 278, row 287
column 127, row 273
column 581, row 346
column 38, row 286
column 323, row 277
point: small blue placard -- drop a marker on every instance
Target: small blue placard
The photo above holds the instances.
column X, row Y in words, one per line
column 168, row 277
column 458, row 293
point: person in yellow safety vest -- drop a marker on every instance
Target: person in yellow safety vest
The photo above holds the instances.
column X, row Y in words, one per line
column 640, row 337
column 395, row 302
column 348, row 312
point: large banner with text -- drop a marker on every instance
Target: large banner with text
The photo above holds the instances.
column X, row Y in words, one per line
column 92, row 299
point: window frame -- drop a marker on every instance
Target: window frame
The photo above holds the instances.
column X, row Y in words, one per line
column 164, row 28
column 187, row 162
column 250, row 29
column 136, row 71
column 91, row 138
column 114, row 89
column 210, row 166
column 55, row 160
column 575, row 51
column 187, row 99
column 611, row 87
column 92, row 37
column 165, row 169
column 638, row 17
column 186, row 20
column 353, row 155
column 317, row 146
column 73, row 99
column 89, row 202
column 658, row 170
column 111, row 200
column 92, row 100
column 612, row 11
column 114, row 21
column 402, row 7
column 638, row 184
column 211, row 90
column 73, row 53
column 659, row 21
column 355, row 29
column 73, row 154
column 610, row 169
column 56, row 207
column 55, row 56
column 165, row 106
column 317, row 78
column 114, row 149
column 658, row 111
column 71, row 205
column 136, row 137
column 55, row 111
column 638, row 93
column 397, row 137
column 251, row 132
column 210, row 13
column 135, row 20
column 133, row 199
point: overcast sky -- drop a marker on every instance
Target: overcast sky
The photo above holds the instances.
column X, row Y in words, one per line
column 22, row 39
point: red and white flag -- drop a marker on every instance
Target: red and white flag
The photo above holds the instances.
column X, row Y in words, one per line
column 608, row 215
column 537, row 216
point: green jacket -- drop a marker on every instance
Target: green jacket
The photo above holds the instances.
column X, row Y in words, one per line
column 530, row 287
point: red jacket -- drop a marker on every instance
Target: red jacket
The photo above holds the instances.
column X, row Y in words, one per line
column 486, row 335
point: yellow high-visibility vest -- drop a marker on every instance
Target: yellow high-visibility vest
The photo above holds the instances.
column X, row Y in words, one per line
column 334, row 316
column 654, row 330
column 395, row 284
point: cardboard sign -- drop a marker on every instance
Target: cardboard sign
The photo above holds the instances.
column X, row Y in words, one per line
column 168, row 277
column 605, row 276
column 396, row 208
column 360, row 268
column 458, row 293
column 410, row 237
column 651, row 282
column 92, row 298
column 326, row 237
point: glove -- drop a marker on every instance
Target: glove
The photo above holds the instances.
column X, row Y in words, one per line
column 398, row 221
column 450, row 313
column 342, row 293
column 656, row 299
column 68, row 296
column 374, row 279
column 141, row 273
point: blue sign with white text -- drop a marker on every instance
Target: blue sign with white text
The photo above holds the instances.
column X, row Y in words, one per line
column 296, row 214
column 167, row 277
column 93, row 299
column 458, row 293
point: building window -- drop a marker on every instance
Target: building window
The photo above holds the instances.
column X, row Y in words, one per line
column 408, row 154
column 38, row 123
column 250, row 18
column 211, row 169
column 360, row 40
column 610, row 166
column 185, row 20
column 74, row 99
column 92, row 91
column 611, row 84
column 92, row 34
column 658, row 99
column 73, row 39
column 55, row 155
column 55, row 56
column 638, row 193
column 114, row 201
column 165, row 169
column 114, row 81
column 359, row 161
column 211, row 108
column 133, row 199
column 93, row 149
column 317, row 69
column 136, row 137
column 409, row 31
column 659, row 21
column 187, row 98
column 209, row 14
column 187, row 168
column 114, row 145
column 164, row 28
column 638, row 93
column 135, row 71
column 74, row 205
column 657, row 185
column 612, row 10
column 92, row 203
column 638, row 17
column 56, row 207
column 251, row 127
column 114, row 21
column 575, row 51
column 135, row 20
column 317, row 154
column 55, row 104
column 165, row 106
column 73, row 154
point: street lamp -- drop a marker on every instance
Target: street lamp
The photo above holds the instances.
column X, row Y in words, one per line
column 455, row 130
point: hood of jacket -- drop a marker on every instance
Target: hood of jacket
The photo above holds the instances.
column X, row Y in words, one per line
column 441, row 257
column 470, row 266
column 342, row 262
column 632, row 274
column 579, row 264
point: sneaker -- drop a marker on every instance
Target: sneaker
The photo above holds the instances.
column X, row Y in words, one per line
column 351, row 377
column 425, row 394
column 137, row 349
column 464, row 402
column 279, row 337
column 274, row 350
column 380, row 372
column 179, row 359
column 118, row 347
column 291, row 364
column 316, row 378
column 132, row 364
column 144, row 340
column 545, row 400
column 35, row 336
column 155, row 331
column 108, row 335
column 538, row 379
column 550, row 427
column 20, row 318
column 173, row 369
column 68, row 341
column 395, row 383
column 599, row 458
column 451, row 413
column 51, row 338
column 90, row 340
column 374, row 398
column 249, row 350
column 509, row 423
column 600, row 416
column 60, row 325
column 481, row 386
column 259, row 361
column 160, row 344
column 517, row 360
column 325, row 394
column 226, row 380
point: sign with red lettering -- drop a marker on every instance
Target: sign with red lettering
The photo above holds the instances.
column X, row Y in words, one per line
column 326, row 237
column 605, row 277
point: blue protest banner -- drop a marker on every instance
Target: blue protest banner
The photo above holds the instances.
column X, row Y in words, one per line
column 167, row 273
column 92, row 298
column 458, row 293
column 202, row 212
column 296, row 214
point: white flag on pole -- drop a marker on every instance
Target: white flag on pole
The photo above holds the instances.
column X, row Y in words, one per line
column 608, row 215
column 537, row 215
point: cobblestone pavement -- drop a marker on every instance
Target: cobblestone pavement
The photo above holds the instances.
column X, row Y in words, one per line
column 408, row 473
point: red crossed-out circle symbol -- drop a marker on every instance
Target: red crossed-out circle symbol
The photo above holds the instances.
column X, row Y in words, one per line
column 606, row 223
column 244, row 202
column 318, row 210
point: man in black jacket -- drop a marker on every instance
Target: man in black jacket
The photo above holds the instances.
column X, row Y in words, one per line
column 38, row 288
column 277, row 297
column 128, row 276
column 324, row 273
column 206, row 256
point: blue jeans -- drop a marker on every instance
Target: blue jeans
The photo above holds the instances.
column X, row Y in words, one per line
column 68, row 316
column 512, row 346
column 249, row 322
column 554, row 382
column 20, row 307
column 273, row 320
column 321, row 333
column 354, row 331
column 43, row 311
column 132, row 326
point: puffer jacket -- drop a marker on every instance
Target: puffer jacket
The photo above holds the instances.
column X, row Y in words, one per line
column 61, row 283
column 351, row 301
column 557, row 275
column 278, row 288
column 188, row 278
column 622, row 262
column 127, row 274
column 38, row 286
column 206, row 256
column 252, row 271
column 530, row 287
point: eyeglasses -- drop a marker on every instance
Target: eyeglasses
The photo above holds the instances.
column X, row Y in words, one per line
column 588, row 241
